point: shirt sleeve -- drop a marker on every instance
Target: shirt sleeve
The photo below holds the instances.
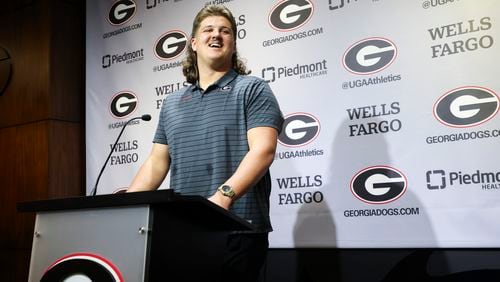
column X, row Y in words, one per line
column 262, row 107
column 160, row 134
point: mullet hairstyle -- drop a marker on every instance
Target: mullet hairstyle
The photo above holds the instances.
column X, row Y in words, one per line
column 189, row 64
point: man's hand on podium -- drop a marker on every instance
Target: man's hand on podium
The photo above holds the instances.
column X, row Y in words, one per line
column 221, row 200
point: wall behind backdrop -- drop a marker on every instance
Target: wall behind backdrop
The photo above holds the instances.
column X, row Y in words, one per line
column 41, row 118
column 391, row 127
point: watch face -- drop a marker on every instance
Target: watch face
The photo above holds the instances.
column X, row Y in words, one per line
column 226, row 188
column 227, row 191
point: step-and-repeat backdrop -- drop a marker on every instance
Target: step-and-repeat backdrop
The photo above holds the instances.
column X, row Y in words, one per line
column 391, row 136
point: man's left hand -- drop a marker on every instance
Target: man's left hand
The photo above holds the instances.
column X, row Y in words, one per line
column 221, row 200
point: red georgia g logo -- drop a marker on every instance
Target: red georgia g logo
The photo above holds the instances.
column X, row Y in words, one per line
column 299, row 129
column 170, row 45
column 290, row 14
column 369, row 55
column 379, row 184
column 121, row 12
column 123, row 104
column 466, row 106
column 82, row 267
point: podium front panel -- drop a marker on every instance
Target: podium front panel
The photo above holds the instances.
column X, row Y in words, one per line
column 113, row 239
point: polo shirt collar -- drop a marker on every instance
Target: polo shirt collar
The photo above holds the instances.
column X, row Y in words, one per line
column 222, row 82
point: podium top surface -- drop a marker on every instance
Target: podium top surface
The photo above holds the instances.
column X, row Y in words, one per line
column 102, row 201
column 189, row 205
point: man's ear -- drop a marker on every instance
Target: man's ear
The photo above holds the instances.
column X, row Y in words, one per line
column 193, row 44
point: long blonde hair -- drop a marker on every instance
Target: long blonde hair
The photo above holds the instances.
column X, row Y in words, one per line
column 189, row 64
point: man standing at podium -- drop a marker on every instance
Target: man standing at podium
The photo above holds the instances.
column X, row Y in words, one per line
column 218, row 137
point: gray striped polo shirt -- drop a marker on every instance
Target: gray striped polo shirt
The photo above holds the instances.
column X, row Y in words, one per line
column 206, row 132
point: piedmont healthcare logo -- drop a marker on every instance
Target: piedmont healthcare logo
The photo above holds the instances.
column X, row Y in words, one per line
column 127, row 57
column 439, row 179
column 339, row 4
column 82, row 267
column 378, row 184
column 151, row 4
column 302, row 71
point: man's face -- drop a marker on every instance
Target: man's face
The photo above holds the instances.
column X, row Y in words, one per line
column 214, row 43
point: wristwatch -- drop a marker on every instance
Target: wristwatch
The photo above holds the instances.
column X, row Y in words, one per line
column 226, row 190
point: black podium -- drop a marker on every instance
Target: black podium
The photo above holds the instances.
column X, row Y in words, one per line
column 143, row 236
